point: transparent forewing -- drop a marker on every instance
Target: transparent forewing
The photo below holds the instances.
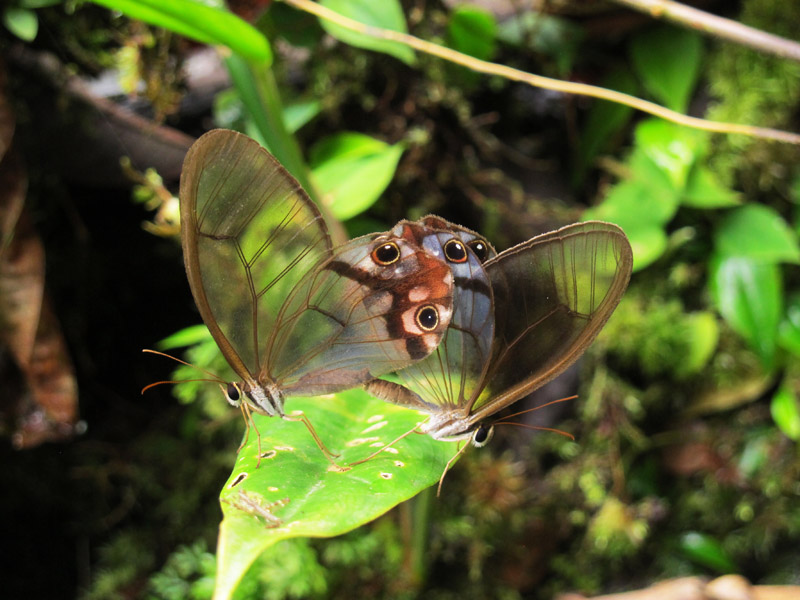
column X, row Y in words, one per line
column 552, row 296
column 446, row 378
column 249, row 234
column 352, row 320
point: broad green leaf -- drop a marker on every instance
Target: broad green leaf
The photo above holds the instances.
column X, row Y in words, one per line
column 758, row 232
column 387, row 14
column 748, row 295
column 674, row 149
column 472, row 30
column 296, row 493
column 704, row 190
column 706, row 551
column 199, row 21
column 786, row 411
column 789, row 329
column 603, row 121
column 351, row 171
column 22, row 22
column 667, row 60
column 297, row 27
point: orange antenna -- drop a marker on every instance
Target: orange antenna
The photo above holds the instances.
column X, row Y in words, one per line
column 527, row 410
column 537, row 428
column 213, row 378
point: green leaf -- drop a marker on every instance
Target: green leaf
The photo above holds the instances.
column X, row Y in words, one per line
column 672, row 148
column 199, row 21
column 667, row 60
column 702, row 334
column 748, row 295
column 706, row 551
column 295, row 492
column 789, row 329
column 387, row 14
column 757, row 232
column 297, row 114
column 188, row 336
column 704, row 190
column 352, row 170
column 22, row 22
column 472, row 30
column 786, row 411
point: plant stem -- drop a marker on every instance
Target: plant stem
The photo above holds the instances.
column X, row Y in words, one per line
column 720, row 27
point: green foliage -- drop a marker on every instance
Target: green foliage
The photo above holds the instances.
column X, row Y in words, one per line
column 667, row 60
column 294, row 491
column 352, row 170
column 472, row 30
column 387, row 14
column 705, row 550
column 200, row 21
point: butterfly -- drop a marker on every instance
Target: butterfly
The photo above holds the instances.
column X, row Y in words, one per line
column 545, row 302
column 292, row 314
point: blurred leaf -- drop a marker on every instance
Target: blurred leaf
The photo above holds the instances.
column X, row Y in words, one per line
column 387, row 14
column 39, row 3
column 603, row 120
column 704, row 190
column 297, row 114
column 748, row 295
column 706, row 551
column 199, row 21
column 789, row 329
column 187, row 336
column 352, row 170
column 754, row 456
column 472, row 30
column 667, row 60
column 757, row 232
column 786, row 411
column 702, row 331
column 22, row 22
column 295, row 493
column 672, row 148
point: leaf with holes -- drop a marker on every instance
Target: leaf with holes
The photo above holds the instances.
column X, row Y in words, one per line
column 296, row 492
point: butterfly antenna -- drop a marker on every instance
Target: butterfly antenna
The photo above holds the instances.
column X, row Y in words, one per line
column 151, row 385
column 448, row 465
column 538, row 428
column 528, row 410
column 188, row 364
column 389, row 445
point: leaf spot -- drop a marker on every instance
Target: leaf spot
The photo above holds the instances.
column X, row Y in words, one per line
column 273, row 489
column 359, row 441
column 376, row 445
column 375, row 419
column 376, row 426
column 269, row 454
column 399, row 463
column 239, row 479
column 386, row 475
column 286, row 448
column 392, row 450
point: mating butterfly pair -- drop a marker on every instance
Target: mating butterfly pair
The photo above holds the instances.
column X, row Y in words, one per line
column 468, row 331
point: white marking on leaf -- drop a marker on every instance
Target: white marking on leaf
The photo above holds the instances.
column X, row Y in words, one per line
column 376, row 426
column 399, row 463
column 359, row 441
column 386, row 475
column 375, row 418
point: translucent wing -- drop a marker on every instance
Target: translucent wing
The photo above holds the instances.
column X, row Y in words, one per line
column 552, row 295
column 352, row 320
column 249, row 234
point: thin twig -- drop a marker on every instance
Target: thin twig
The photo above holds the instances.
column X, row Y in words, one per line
column 687, row 16
column 579, row 89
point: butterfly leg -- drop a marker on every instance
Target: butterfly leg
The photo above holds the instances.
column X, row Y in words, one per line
column 299, row 416
column 447, row 467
